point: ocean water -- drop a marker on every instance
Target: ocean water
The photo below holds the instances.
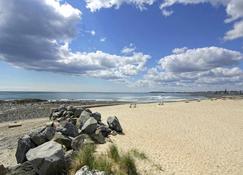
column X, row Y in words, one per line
column 98, row 96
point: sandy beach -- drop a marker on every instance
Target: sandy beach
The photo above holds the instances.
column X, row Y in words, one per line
column 180, row 138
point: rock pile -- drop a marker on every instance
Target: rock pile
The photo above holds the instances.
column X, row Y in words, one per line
column 47, row 150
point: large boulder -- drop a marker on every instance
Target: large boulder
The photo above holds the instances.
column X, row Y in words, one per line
column 63, row 140
column 80, row 141
column 85, row 171
column 105, row 130
column 25, row 168
column 42, row 135
column 98, row 137
column 47, row 159
column 84, row 116
column 97, row 116
column 89, row 126
column 77, row 112
column 69, row 129
column 114, row 124
column 3, row 170
column 24, row 145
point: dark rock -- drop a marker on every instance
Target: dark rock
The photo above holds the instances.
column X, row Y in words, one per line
column 42, row 135
column 114, row 124
column 68, row 158
column 77, row 112
column 3, row 170
column 63, row 140
column 97, row 116
column 22, row 169
column 98, row 137
column 69, row 129
column 24, row 145
column 47, row 159
column 105, row 130
column 89, row 126
column 80, row 141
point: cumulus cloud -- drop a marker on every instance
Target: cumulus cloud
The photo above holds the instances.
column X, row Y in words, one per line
column 209, row 66
column 103, row 39
column 95, row 5
column 36, row 35
column 189, row 60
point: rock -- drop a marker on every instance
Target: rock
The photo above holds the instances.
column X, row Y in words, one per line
column 68, row 157
column 49, row 132
column 97, row 116
column 3, row 170
column 98, row 137
column 42, row 135
column 63, row 140
column 83, row 118
column 85, row 171
column 114, row 124
column 69, row 129
column 22, row 169
column 47, row 159
column 77, row 112
column 89, row 126
column 56, row 115
column 70, row 108
column 81, row 140
column 105, row 130
column 24, row 145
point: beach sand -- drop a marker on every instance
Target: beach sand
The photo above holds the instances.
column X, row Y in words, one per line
column 178, row 138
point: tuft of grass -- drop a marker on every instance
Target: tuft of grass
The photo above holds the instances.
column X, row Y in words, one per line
column 113, row 153
column 114, row 162
column 84, row 156
column 127, row 164
column 139, row 155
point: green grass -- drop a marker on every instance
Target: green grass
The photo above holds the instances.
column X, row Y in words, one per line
column 114, row 162
column 139, row 155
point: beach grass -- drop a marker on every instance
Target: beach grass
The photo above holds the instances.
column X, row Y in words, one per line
column 112, row 162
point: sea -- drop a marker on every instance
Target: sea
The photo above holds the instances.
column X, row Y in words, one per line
column 100, row 96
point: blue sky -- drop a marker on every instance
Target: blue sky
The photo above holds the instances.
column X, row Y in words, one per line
column 125, row 45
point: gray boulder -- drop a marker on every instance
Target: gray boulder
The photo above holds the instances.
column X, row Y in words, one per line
column 114, row 124
column 77, row 112
column 47, row 159
column 42, row 135
column 24, row 145
column 68, row 157
column 97, row 116
column 63, row 140
column 69, row 129
column 105, row 130
column 89, row 126
column 85, row 171
column 80, row 141
column 83, row 118
column 25, row 168
column 98, row 137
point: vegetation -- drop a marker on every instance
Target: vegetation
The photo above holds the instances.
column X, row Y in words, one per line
column 114, row 162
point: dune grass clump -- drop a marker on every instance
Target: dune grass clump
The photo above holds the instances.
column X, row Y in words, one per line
column 139, row 155
column 113, row 162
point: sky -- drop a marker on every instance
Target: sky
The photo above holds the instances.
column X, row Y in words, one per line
column 121, row 45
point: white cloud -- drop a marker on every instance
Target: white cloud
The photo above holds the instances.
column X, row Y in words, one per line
column 236, row 32
column 129, row 49
column 95, row 5
column 38, row 38
column 189, row 60
column 103, row 39
column 209, row 67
